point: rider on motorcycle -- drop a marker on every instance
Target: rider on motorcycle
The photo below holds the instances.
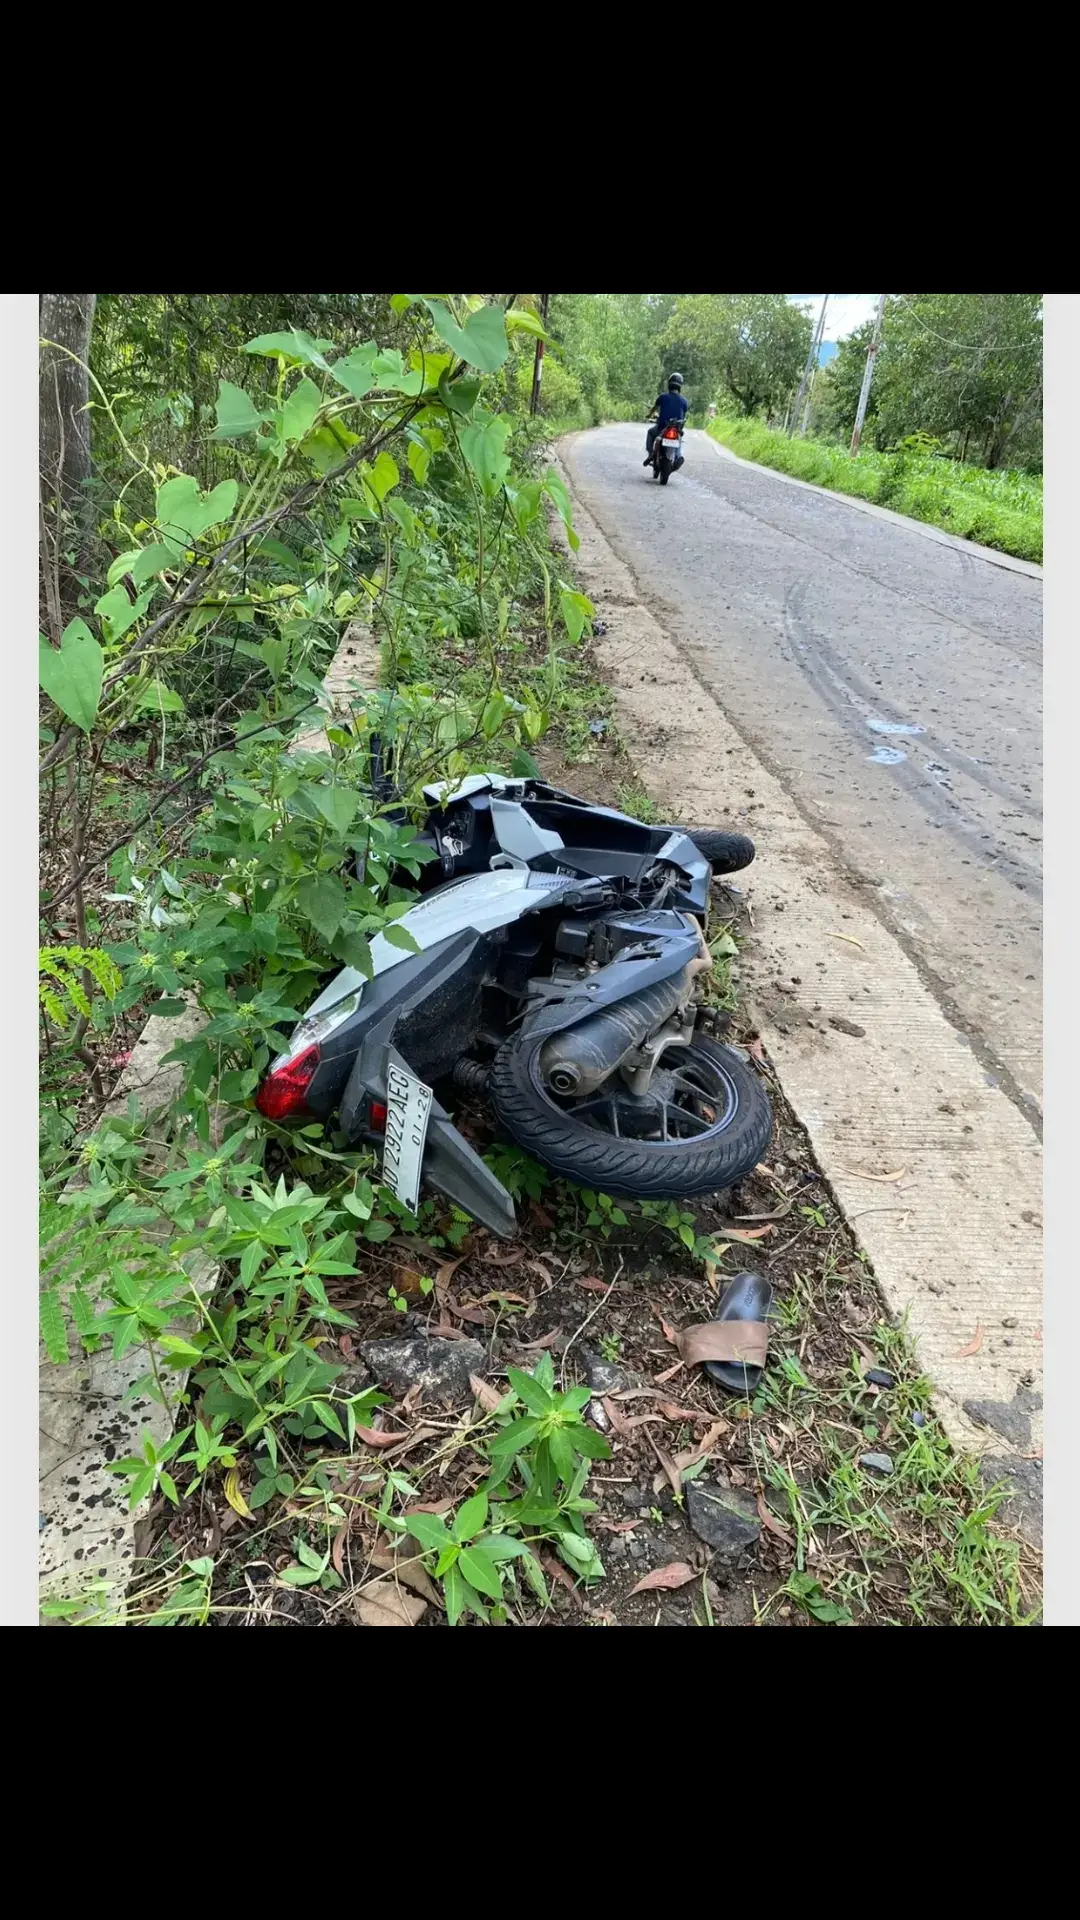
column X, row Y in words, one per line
column 670, row 409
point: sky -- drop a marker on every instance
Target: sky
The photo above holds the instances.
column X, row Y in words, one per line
column 845, row 311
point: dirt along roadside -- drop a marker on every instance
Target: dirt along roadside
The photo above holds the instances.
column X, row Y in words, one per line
column 936, row 1171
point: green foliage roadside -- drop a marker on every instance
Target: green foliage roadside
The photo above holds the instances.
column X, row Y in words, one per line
column 1002, row 509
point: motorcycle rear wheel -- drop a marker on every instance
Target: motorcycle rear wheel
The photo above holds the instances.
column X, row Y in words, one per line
column 585, row 1140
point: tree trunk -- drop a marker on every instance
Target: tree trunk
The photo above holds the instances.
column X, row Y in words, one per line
column 63, row 389
column 65, row 319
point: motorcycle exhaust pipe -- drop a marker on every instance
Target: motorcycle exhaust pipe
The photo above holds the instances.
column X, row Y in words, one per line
column 581, row 1059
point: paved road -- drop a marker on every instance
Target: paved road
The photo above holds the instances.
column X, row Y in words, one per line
column 894, row 686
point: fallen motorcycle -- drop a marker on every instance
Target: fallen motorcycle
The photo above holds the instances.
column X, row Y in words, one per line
column 560, row 976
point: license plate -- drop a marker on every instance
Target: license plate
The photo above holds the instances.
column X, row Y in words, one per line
column 408, row 1109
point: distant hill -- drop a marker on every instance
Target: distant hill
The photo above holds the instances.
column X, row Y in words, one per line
column 826, row 352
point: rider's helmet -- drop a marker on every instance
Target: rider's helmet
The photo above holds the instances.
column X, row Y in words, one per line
column 674, row 384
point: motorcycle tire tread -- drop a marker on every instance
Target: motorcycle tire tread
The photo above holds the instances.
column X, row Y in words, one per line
column 627, row 1168
column 725, row 852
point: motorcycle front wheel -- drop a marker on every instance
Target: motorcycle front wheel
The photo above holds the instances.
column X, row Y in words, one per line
column 725, row 852
column 704, row 1124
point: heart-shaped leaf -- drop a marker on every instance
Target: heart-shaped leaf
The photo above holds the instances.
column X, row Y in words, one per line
column 481, row 341
column 158, row 697
column 72, row 674
column 298, row 413
column 184, row 514
column 237, row 413
column 117, row 613
column 296, row 347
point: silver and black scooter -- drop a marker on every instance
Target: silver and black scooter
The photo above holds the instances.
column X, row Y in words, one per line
column 560, row 975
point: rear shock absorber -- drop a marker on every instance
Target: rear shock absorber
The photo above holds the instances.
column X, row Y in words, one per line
column 470, row 1076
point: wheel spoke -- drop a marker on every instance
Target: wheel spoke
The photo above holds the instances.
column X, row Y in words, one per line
column 684, row 1113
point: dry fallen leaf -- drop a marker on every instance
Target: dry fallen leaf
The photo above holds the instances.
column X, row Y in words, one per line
column 541, row 1216
column 555, row 1569
column 668, row 1373
column 618, row 1526
column 446, row 1330
column 499, row 1257
column 429, row 1506
column 776, row 1214
column 518, row 1299
column 973, row 1345
column 546, row 1340
column 405, row 1566
column 443, row 1277
column 851, row 940
column 671, row 1471
column 617, row 1423
column 678, row 1574
column 690, row 1456
column 487, row 1396
column 592, row 1286
column 476, row 1316
column 671, row 1410
column 769, row 1519
column 756, row 1049
column 747, row 1237
column 377, row 1437
column 382, row 1604
column 407, row 1280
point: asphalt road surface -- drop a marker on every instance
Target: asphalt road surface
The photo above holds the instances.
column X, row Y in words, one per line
column 892, row 683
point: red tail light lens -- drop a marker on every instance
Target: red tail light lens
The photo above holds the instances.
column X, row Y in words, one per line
column 283, row 1093
column 378, row 1116
column 671, row 433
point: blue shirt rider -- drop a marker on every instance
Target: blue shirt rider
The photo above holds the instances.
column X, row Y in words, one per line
column 670, row 409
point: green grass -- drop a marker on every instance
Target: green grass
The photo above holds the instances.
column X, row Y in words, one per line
column 1002, row 510
column 632, row 798
column 923, row 1545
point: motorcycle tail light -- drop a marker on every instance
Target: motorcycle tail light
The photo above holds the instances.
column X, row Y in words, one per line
column 378, row 1116
column 671, row 434
column 283, row 1094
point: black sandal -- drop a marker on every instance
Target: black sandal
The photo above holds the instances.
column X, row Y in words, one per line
column 748, row 1296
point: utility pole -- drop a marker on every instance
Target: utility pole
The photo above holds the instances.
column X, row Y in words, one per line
column 868, row 375
column 538, row 363
column 809, row 404
column 811, row 362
